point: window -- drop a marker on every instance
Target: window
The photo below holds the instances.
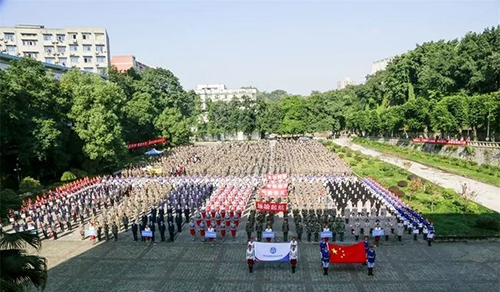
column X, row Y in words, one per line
column 73, row 36
column 11, row 49
column 99, row 36
column 99, row 48
column 33, row 55
column 49, row 60
column 101, row 59
column 61, row 50
column 63, row 61
column 48, row 49
column 8, row 36
column 75, row 60
column 47, row 37
column 87, row 48
column 86, row 36
column 61, row 37
column 88, row 69
column 29, row 42
column 87, row 59
column 73, row 48
column 101, row 70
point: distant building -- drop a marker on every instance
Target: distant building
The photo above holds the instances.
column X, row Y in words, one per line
column 345, row 82
column 217, row 92
column 123, row 63
column 84, row 48
column 57, row 70
column 381, row 64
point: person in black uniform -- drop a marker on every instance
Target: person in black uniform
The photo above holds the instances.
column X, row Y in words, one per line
column 141, row 229
column 178, row 220
column 186, row 213
column 144, row 219
column 134, row 230
column 153, row 214
column 170, row 217
column 106, row 231
column 162, row 229
column 114, row 229
column 153, row 228
column 171, row 230
column 99, row 232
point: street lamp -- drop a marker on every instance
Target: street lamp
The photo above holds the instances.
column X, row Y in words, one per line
column 17, row 170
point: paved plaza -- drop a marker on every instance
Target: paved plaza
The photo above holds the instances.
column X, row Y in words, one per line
column 184, row 265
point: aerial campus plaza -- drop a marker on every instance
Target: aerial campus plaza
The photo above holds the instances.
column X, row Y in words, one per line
column 238, row 190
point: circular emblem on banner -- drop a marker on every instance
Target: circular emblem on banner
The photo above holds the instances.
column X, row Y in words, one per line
column 273, row 250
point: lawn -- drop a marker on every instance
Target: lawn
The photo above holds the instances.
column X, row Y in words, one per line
column 485, row 173
column 450, row 212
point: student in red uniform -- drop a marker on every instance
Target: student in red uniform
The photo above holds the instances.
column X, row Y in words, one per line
column 192, row 229
column 202, row 231
column 223, row 231
column 198, row 219
column 237, row 219
column 294, row 255
column 233, row 230
column 250, row 257
column 218, row 218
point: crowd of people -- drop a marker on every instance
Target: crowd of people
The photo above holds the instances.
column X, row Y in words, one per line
column 210, row 188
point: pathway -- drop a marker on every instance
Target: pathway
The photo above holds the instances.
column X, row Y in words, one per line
column 194, row 266
column 487, row 195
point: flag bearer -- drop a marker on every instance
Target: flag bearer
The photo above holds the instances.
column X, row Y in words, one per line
column 250, row 257
column 294, row 255
column 370, row 259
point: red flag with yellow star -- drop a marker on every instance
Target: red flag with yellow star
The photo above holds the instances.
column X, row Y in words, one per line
column 348, row 254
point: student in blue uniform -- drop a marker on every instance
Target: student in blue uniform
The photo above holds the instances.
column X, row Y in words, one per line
column 370, row 259
column 325, row 260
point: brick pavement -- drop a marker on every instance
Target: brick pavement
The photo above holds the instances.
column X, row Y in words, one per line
column 195, row 266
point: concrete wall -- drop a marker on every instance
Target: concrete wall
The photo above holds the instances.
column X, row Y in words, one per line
column 488, row 153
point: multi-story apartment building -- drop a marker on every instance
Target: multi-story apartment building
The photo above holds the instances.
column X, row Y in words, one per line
column 381, row 64
column 345, row 82
column 217, row 92
column 84, row 48
column 123, row 63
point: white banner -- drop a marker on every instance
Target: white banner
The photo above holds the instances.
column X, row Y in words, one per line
column 272, row 251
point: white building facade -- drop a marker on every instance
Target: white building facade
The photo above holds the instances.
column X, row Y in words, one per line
column 83, row 48
column 380, row 64
column 345, row 82
column 216, row 92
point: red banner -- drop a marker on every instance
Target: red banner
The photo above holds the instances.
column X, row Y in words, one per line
column 347, row 254
column 440, row 141
column 280, row 193
column 271, row 207
column 147, row 143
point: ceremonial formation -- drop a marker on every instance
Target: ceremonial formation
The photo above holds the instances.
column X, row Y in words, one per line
column 277, row 193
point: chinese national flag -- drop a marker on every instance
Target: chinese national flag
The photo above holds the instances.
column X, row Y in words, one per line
column 348, row 254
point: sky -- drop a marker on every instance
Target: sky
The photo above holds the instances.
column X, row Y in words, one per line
column 298, row 46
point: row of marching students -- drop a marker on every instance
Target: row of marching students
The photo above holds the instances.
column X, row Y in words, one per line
column 215, row 222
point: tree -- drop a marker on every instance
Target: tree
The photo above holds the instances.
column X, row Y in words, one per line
column 294, row 113
column 96, row 113
column 18, row 269
column 30, row 185
column 171, row 124
column 32, row 119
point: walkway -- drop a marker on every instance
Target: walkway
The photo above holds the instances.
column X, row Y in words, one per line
column 125, row 266
column 487, row 195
